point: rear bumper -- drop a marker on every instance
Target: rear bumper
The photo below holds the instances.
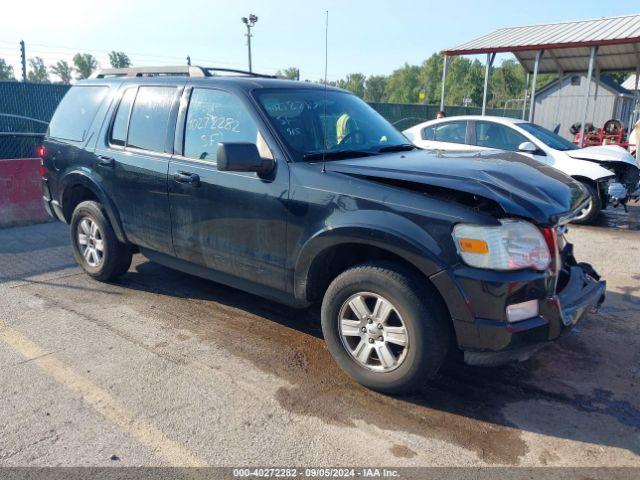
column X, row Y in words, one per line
column 50, row 206
column 487, row 338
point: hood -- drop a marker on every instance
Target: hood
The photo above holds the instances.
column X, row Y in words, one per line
column 520, row 186
column 604, row 153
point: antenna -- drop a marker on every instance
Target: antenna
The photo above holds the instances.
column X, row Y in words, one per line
column 326, row 61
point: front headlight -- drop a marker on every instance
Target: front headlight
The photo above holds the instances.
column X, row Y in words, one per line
column 513, row 245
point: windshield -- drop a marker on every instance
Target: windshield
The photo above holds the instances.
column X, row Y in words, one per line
column 547, row 137
column 343, row 127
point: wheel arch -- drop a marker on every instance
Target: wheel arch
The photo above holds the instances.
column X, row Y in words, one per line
column 78, row 187
column 332, row 251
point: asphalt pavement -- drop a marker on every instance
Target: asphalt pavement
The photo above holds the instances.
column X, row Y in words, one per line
column 165, row 369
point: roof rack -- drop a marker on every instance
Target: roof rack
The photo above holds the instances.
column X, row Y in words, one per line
column 186, row 70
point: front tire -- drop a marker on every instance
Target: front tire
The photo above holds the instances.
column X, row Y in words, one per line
column 95, row 245
column 589, row 215
column 385, row 327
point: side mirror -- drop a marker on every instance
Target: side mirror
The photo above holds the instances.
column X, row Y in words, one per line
column 243, row 157
column 528, row 147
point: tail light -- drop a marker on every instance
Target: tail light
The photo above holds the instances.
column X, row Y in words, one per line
column 41, row 152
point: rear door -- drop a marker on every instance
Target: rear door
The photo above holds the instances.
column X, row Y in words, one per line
column 232, row 222
column 134, row 158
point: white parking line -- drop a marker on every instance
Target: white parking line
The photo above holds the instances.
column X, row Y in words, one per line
column 100, row 400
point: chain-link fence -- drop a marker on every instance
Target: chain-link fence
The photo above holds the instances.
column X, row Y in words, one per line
column 403, row 116
column 26, row 108
column 25, row 111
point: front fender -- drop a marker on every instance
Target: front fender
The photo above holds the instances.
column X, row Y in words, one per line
column 582, row 168
column 84, row 178
column 384, row 230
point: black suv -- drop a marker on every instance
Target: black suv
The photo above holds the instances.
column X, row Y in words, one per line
column 303, row 194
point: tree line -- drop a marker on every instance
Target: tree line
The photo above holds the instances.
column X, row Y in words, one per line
column 423, row 83
column 407, row 84
column 82, row 66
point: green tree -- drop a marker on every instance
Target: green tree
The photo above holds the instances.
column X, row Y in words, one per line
column 354, row 83
column 431, row 78
column 474, row 83
column 37, row 71
column 6, row 71
column 85, row 64
column 374, row 88
column 292, row 73
column 63, row 70
column 119, row 59
column 404, row 85
column 507, row 84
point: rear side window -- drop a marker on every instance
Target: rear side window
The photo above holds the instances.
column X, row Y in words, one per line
column 150, row 118
column 119, row 129
column 452, row 132
column 429, row 133
column 76, row 111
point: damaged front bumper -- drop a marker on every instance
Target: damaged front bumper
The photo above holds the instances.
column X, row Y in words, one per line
column 485, row 335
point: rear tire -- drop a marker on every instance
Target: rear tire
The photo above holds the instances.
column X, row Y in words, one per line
column 413, row 337
column 95, row 245
column 589, row 215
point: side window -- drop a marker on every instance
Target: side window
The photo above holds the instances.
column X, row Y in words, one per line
column 76, row 111
column 216, row 116
column 429, row 133
column 120, row 122
column 150, row 118
column 452, row 132
column 495, row 135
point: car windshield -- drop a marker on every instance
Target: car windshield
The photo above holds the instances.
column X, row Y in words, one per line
column 547, row 137
column 343, row 126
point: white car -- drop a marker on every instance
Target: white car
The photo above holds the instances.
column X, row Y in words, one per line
column 609, row 172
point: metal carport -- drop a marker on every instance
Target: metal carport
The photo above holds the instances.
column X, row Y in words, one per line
column 603, row 45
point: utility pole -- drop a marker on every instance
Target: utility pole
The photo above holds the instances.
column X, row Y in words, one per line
column 23, row 59
column 250, row 23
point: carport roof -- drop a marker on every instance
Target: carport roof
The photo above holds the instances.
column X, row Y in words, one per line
column 566, row 44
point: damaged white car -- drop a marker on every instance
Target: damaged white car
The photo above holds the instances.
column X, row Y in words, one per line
column 609, row 173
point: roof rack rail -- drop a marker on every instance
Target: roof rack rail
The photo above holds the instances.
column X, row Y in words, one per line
column 182, row 70
column 241, row 72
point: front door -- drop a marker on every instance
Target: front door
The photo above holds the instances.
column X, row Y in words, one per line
column 231, row 222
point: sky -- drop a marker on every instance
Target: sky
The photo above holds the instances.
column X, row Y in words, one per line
column 370, row 37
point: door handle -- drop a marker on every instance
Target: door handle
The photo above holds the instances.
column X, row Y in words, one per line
column 106, row 161
column 192, row 179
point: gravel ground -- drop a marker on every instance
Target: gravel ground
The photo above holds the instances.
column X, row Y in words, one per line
column 162, row 368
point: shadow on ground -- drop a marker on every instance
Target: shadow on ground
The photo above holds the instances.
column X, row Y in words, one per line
column 464, row 405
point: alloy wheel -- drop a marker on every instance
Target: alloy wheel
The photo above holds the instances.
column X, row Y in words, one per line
column 373, row 332
column 90, row 242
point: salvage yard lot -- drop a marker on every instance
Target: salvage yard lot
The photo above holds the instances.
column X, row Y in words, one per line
column 162, row 368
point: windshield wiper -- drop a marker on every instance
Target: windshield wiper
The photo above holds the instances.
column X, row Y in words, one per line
column 403, row 147
column 337, row 154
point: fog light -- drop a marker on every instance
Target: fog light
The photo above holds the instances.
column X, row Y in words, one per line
column 522, row 311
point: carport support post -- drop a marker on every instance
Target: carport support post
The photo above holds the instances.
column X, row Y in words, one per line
column 487, row 70
column 536, row 65
column 585, row 107
column 636, row 104
column 444, row 77
column 524, row 102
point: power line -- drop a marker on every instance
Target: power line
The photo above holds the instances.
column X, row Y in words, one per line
column 52, row 53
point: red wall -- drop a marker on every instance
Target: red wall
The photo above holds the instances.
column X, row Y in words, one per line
column 20, row 192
